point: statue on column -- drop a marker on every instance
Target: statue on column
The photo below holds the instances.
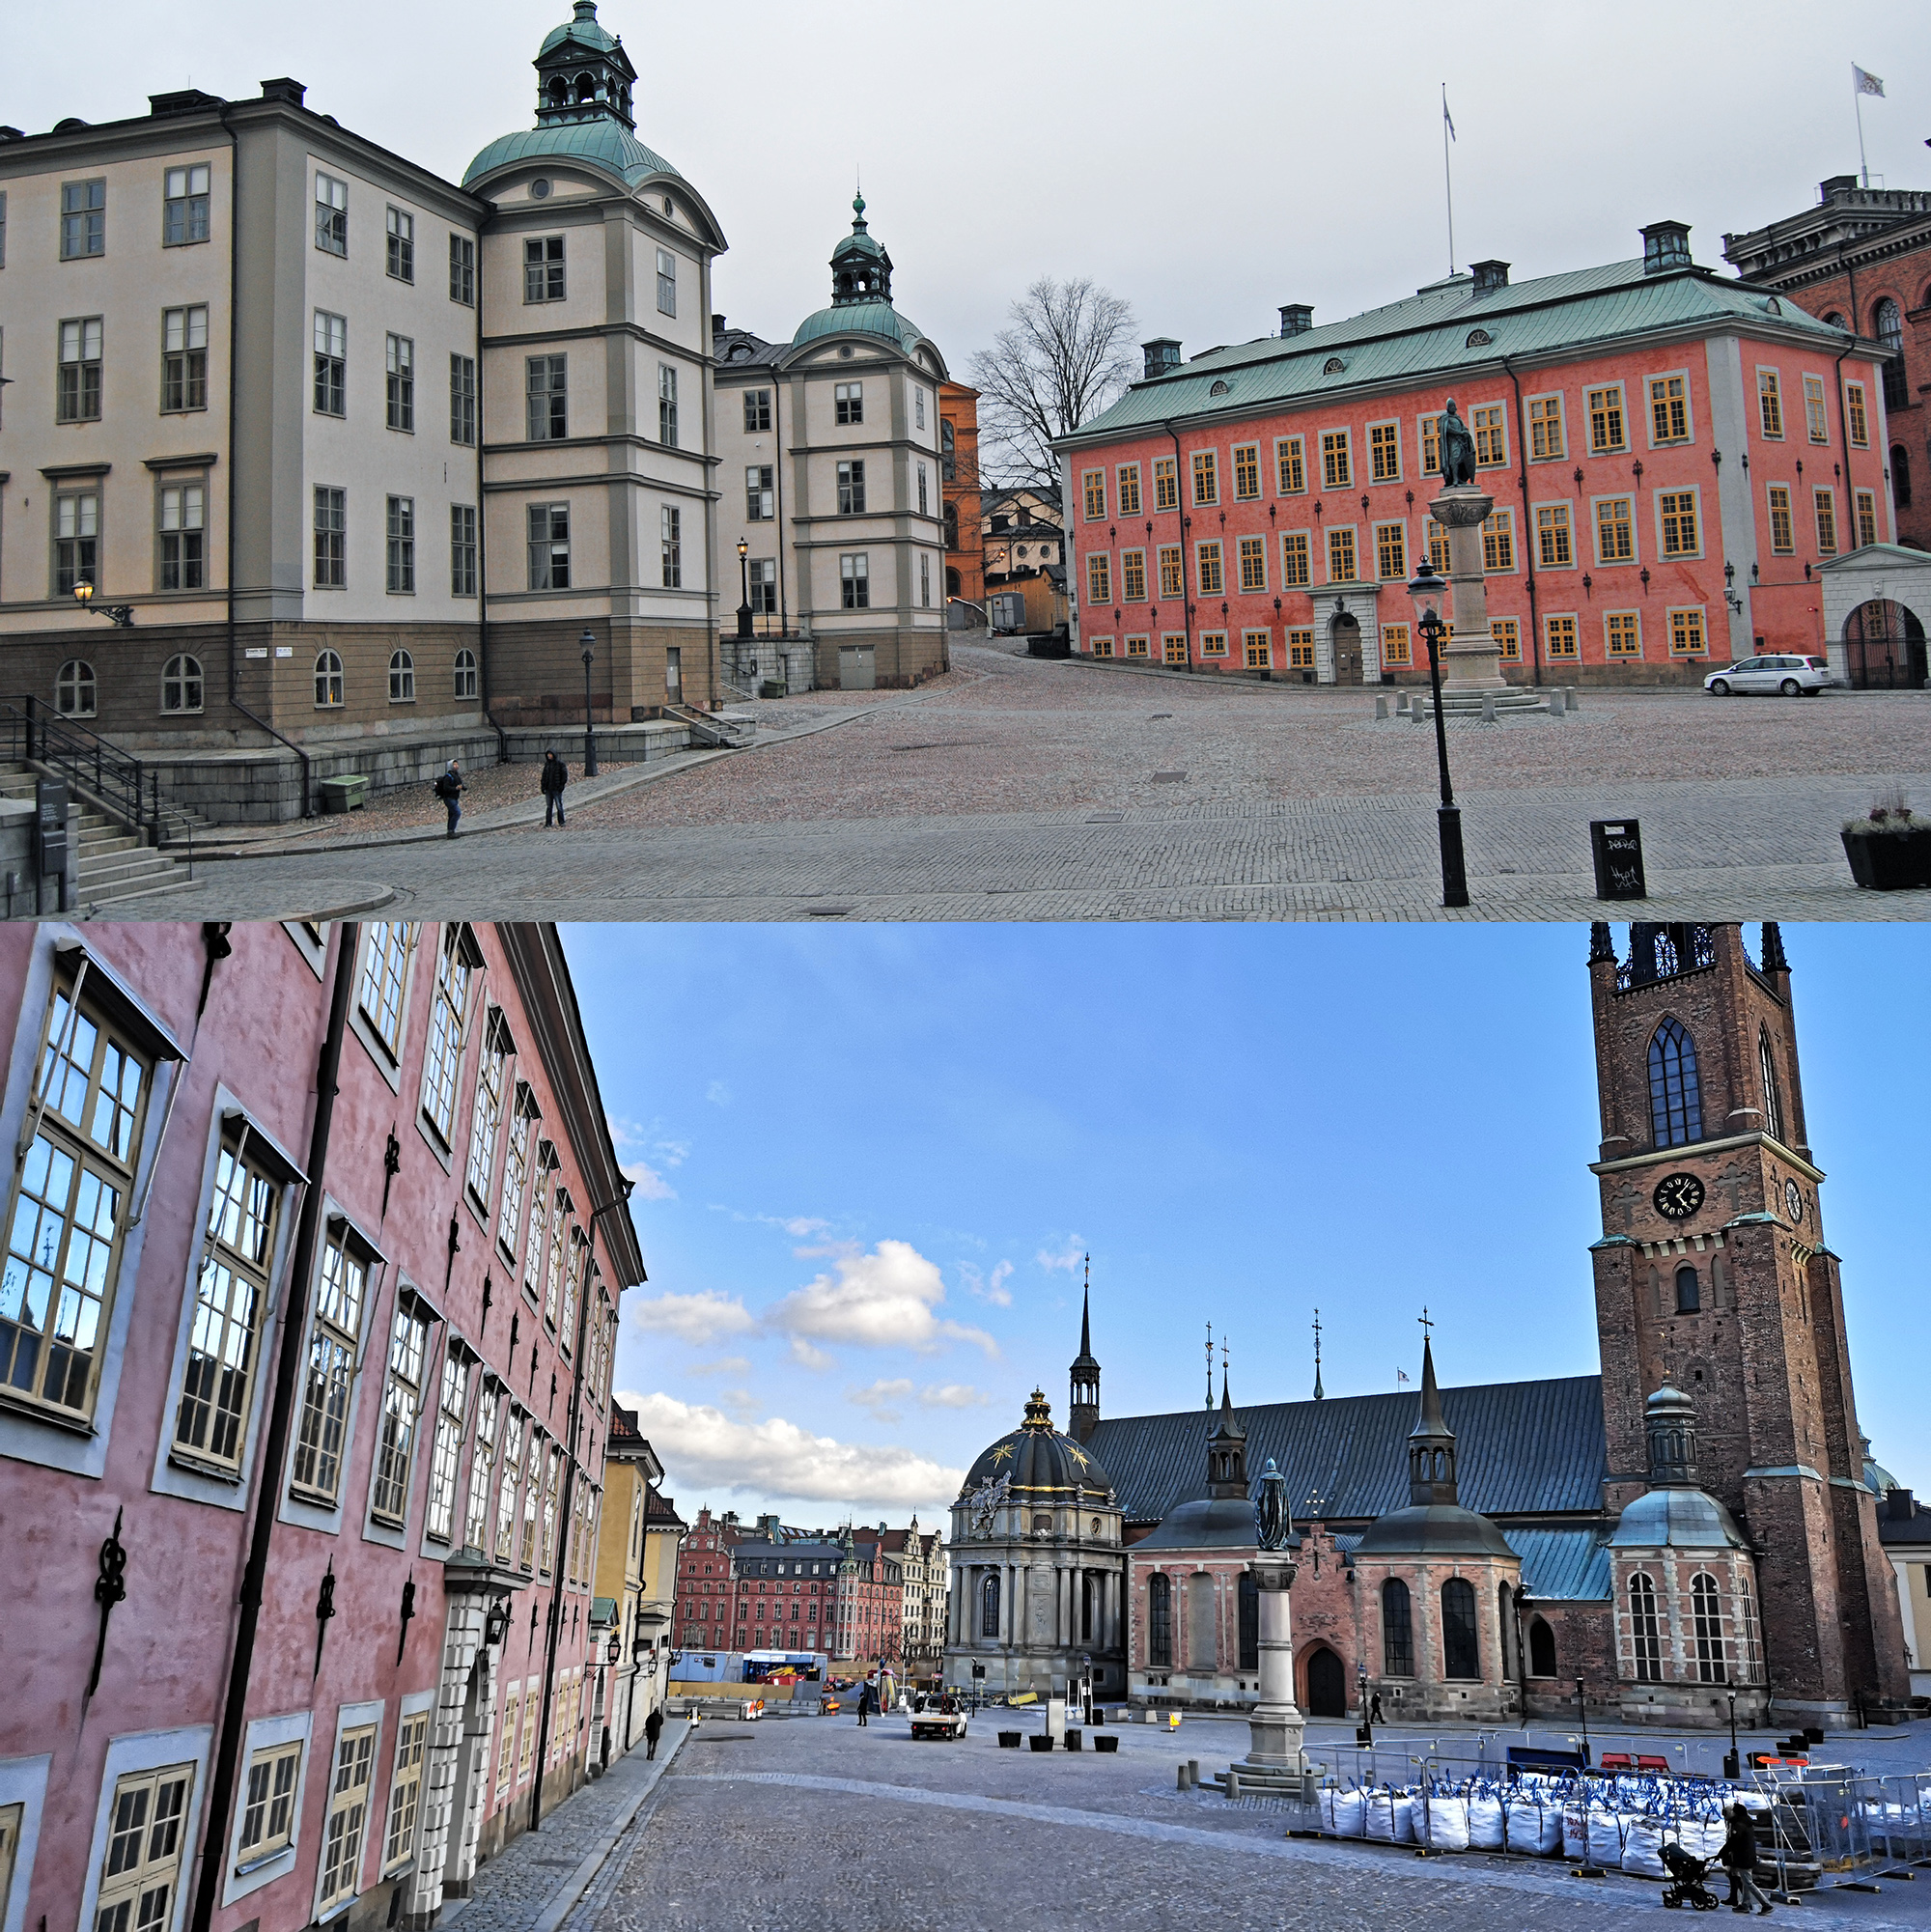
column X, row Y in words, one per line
column 1272, row 1521
column 1458, row 448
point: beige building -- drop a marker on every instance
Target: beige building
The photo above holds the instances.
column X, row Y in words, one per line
column 924, row 1573
column 638, row 1543
column 830, row 459
column 353, row 456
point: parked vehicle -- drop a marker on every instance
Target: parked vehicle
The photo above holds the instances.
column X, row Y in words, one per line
column 1787, row 675
column 941, row 1718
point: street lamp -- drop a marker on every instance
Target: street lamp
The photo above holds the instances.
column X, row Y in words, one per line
column 1427, row 590
column 744, row 588
column 589, row 642
column 121, row 614
column 1582, row 1706
column 1734, row 1764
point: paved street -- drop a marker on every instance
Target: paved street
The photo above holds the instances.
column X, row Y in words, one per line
column 815, row 1823
column 1013, row 789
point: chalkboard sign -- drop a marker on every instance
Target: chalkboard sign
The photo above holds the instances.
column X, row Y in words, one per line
column 1617, row 845
column 50, row 833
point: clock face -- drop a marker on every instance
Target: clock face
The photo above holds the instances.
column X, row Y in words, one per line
column 1793, row 1199
column 1678, row 1197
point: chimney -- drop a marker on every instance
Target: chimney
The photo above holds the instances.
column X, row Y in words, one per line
column 1665, row 245
column 284, row 89
column 1837, row 184
column 1900, row 1506
column 1163, row 356
column 716, row 324
column 1490, row 276
column 1296, row 318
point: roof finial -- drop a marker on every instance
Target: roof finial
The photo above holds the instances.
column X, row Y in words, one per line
column 1086, row 1311
column 1225, row 1402
column 1319, row 1394
column 858, row 199
column 1210, row 1365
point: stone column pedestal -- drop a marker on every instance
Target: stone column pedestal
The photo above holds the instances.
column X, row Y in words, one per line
column 1471, row 679
column 1275, row 1728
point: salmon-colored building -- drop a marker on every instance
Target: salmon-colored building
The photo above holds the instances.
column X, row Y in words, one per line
column 1671, row 457
column 315, row 1243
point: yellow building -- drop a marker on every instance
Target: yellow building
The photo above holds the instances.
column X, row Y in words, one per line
column 636, row 1571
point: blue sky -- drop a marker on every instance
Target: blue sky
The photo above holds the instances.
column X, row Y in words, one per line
column 869, row 1158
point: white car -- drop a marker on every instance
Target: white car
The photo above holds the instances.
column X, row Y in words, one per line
column 1789, row 677
column 941, row 1718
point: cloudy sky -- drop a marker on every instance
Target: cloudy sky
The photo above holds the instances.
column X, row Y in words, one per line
column 1208, row 162
column 870, row 1159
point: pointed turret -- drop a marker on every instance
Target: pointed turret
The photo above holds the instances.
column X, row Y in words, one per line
column 861, row 271
column 1228, row 1448
column 1082, row 1410
column 583, row 72
column 1431, row 1445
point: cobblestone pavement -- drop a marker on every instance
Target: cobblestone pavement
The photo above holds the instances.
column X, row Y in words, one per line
column 818, row 1824
column 1018, row 789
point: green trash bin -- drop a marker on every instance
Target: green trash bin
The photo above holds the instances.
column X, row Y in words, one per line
column 346, row 794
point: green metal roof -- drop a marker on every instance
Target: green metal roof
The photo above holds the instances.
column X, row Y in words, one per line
column 1424, row 338
column 602, row 143
column 586, row 30
column 863, row 319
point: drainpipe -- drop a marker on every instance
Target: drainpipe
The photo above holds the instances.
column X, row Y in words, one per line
column 287, row 1374
column 1528, row 555
column 482, row 540
column 1180, row 514
column 234, row 377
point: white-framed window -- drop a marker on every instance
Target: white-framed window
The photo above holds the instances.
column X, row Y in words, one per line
column 516, row 1170
column 456, row 964
column 269, row 1789
column 487, row 1113
column 182, row 543
column 504, row 1548
column 462, row 583
column 86, row 1115
column 401, row 539
column 482, row 1460
column 533, row 1466
column 851, row 488
column 147, row 1828
column 230, row 1294
column 548, row 546
column 345, row 1817
column 533, row 1254
column 667, row 283
column 332, row 214
column 543, row 269
column 402, row 1406
column 855, row 580
column 75, row 688
column 463, row 270
column 445, row 1451
column 848, row 401
column 759, row 494
column 402, row 249
column 463, row 400
column 185, row 360
column 328, row 1375
column 559, row 1218
column 406, row 1789
column 184, row 204
column 666, row 405
column 327, row 680
column 401, row 677
column 671, row 541
column 331, row 553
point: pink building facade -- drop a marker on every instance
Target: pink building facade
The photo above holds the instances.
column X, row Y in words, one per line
column 1671, row 457
column 302, row 1410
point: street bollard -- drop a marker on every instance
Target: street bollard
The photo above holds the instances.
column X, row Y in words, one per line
column 1569, row 697
column 1401, row 704
column 1380, row 708
column 1419, row 712
column 1193, row 1773
column 1556, row 708
column 1233, row 1786
column 1488, row 708
column 1180, row 1776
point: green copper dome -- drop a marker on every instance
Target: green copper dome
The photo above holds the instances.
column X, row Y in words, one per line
column 861, row 293
column 586, row 30
column 602, row 142
column 864, row 317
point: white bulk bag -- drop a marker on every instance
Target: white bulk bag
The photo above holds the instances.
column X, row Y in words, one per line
column 1535, row 1826
column 1642, row 1848
column 1488, row 1822
column 1342, row 1813
column 1607, row 1832
column 1380, row 1816
column 1407, row 1816
column 1441, row 1823
column 1574, row 1829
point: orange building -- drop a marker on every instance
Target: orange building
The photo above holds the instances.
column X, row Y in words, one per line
column 1671, row 455
column 959, row 475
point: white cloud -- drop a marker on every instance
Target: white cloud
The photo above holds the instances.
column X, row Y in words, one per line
column 718, row 1094
column 952, row 1395
column 698, row 1319
column 703, row 1448
column 632, row 1143
column 989, row 1287
column 730, row 1364
column 883, row 1299
column 880, row 1397
column 808, row 1357
column 673, row 1153
column 1068, row 1257
column 645, row 1180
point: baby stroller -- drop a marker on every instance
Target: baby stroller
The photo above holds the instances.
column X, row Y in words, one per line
column 1686, row 1885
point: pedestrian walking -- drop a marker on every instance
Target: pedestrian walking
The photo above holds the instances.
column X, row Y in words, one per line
column 864, row 1704
column 1375, row 1709
column 653, row 1729
column 1739, row 1857
column 449, row 789
column 556, row 776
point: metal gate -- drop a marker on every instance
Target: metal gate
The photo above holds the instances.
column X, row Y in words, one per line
column 857, row 667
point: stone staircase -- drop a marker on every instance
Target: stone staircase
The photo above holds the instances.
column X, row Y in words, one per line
column 722, row 729
column 114, row 863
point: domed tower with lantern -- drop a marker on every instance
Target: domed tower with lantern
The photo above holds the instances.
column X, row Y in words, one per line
column 1036, row 1573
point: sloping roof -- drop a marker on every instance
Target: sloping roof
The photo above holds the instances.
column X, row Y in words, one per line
column 661, row 1511
column 603, row 143
column 1562, row 1565
column 1524, row 1448
column 1425, row 337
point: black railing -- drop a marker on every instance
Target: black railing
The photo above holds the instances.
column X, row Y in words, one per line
column 33, row 732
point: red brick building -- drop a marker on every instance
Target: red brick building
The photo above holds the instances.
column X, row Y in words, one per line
column 1671, row 455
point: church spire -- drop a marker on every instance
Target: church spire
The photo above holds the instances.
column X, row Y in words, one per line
column 1226, row 1447
column 1082, row 1407
column 1319, row 1393
column 1431, row 1443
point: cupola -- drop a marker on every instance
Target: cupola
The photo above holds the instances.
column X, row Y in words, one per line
column 1227, row 1451
column 1431, row 1445
column 583, row 73
column 861, row 271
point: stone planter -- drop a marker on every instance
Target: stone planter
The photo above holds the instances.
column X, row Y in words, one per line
column 1040, row 1743
column 1889, row 861
column 1009, row 1740
column 1107, row 1743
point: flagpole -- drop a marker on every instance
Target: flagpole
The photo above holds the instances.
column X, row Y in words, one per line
column 1858, row 103
column 1448, row 178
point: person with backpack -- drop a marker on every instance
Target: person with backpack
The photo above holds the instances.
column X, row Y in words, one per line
column 556, row 776
column 449, row 789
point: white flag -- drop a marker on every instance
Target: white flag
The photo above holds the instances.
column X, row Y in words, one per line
column 1865, row 83
column 1450, row 119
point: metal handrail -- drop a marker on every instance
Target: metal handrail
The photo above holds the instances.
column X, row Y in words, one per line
column 40, row 735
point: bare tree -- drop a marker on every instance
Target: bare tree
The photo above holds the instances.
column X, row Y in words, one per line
column 1061, row 359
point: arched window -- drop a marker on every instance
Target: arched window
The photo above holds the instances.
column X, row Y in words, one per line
column 954, row 582
column 559, row 92
column 74, row 688
column 586, row 90
column 327, row 680
column 1397, row 1630
column 1675, row 1101
column 950, row 515
column 1706, row 1613
column 1833, row 319
column 1689, row 1291
column 1511, row 1637
column 1159, row 1621
column 1646, row 1632
column 465, row 674
column 1750, row 1661
column 1540, row 1649
column 1888, row 325
column 1900, row 474
column 1773, row 1093
column 181, row 684
column 1461, row 1654
column 1249, row 1610
column 402, row 678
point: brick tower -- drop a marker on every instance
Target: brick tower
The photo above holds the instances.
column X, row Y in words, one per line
column 1713, row 1275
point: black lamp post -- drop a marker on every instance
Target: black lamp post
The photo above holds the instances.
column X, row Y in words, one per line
column 1582, row 1708
column 589, row 643
column 1426, row 590
column 744, row 589
column 1734, row 1764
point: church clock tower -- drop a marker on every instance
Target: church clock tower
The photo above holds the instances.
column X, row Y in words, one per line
column 1713, row 1276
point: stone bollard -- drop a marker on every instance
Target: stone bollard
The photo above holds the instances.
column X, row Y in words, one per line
column 1180, row 1776
column 1555, row 710
column 1380, row 708
column 1233, row 1786
column 1488, row 708
column 1418, row 711
column 1569, row 697
column 1193, row 1773
column 1401, row 704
